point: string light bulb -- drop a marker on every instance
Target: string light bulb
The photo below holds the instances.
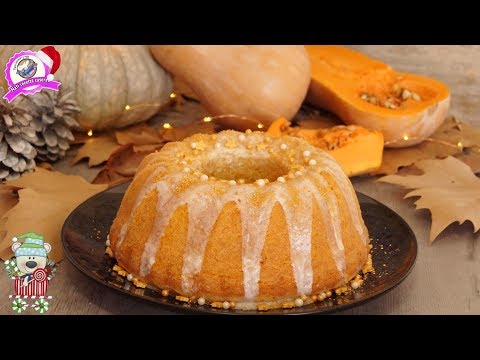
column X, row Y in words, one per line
column 127, row 107
column 167, row 126
column 459, row 144
column 405, row 137
column 207, row 119
column 173, row 96
column 260, row 126
column 90, row 132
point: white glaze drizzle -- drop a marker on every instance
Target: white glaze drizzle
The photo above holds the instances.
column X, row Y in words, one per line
column 146, row 188
column 299, row 224
column 329, row 210
column 255, row 223
column 333, row 168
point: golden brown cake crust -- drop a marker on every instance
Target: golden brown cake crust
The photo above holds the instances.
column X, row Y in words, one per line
column 247, row 218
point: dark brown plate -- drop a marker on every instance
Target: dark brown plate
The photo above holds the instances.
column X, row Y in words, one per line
column 86, row 228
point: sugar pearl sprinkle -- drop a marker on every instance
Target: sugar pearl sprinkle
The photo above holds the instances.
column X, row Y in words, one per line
column 260, row 182
column 306, row 153
column 355, row 285
column 226, row 305
column 183, row 162
column 241, row 137
column 312, row 162
column 204, row 177
column 281, row 179
column 298, row 302
column 165, row 292
column 298, row 173
column 193, row 145
column 218, row 145
column 186, row 169
column 201, row 301
column 232, row 182
column 130, row 277
column 284, row 147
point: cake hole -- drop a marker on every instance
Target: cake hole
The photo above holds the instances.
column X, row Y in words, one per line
column 250, row 169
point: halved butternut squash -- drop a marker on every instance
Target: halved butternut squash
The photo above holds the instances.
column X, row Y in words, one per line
column 406, row 108
column 357, row 150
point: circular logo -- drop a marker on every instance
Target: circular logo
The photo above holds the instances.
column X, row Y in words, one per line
column 26, row 68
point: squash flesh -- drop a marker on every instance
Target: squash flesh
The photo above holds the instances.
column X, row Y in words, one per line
column 340, row 76
column 356, row 149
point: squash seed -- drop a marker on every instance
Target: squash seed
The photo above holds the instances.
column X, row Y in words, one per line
column 406, row 94
column 415, row 96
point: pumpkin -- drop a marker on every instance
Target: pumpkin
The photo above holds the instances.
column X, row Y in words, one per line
column 258, row 82
column 357, row 150
column 406, row 108
column 114, row 85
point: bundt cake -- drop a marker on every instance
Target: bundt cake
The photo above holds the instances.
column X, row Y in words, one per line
column 244, row 220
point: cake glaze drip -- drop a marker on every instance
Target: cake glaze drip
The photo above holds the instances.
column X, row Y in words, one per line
column 304, row 188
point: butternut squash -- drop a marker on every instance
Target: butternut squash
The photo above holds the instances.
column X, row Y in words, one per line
column 357, row 150
column 406, row 108
column 259, row 82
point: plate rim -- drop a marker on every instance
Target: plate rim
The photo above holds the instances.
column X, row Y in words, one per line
column 202, row 310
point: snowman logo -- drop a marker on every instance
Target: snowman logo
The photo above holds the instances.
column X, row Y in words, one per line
column 31, row 271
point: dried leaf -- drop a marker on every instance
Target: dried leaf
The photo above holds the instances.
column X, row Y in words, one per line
column 121, row 166
column 148, row 148
column 448, row 188
column 80, row 137
column 45, row 165
column 450, row 139
column 8, row 199
column 46, row 199
column 180, row 133
column 471, row 157
column 97, row 149
column 141, row 134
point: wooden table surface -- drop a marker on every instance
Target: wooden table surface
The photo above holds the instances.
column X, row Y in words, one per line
column 446, row 277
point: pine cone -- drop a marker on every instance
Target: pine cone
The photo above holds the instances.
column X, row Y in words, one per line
column 16, row 153
column 52, row 118
column 35, row 126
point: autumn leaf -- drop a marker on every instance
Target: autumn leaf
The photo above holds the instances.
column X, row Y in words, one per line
column 448, row 188
column 80, row 137
column 141, row 134
column 7, row 201
column 471, row 157
column 121, row 166
column 97, row 149
column 449, row 140
column 46, row 199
